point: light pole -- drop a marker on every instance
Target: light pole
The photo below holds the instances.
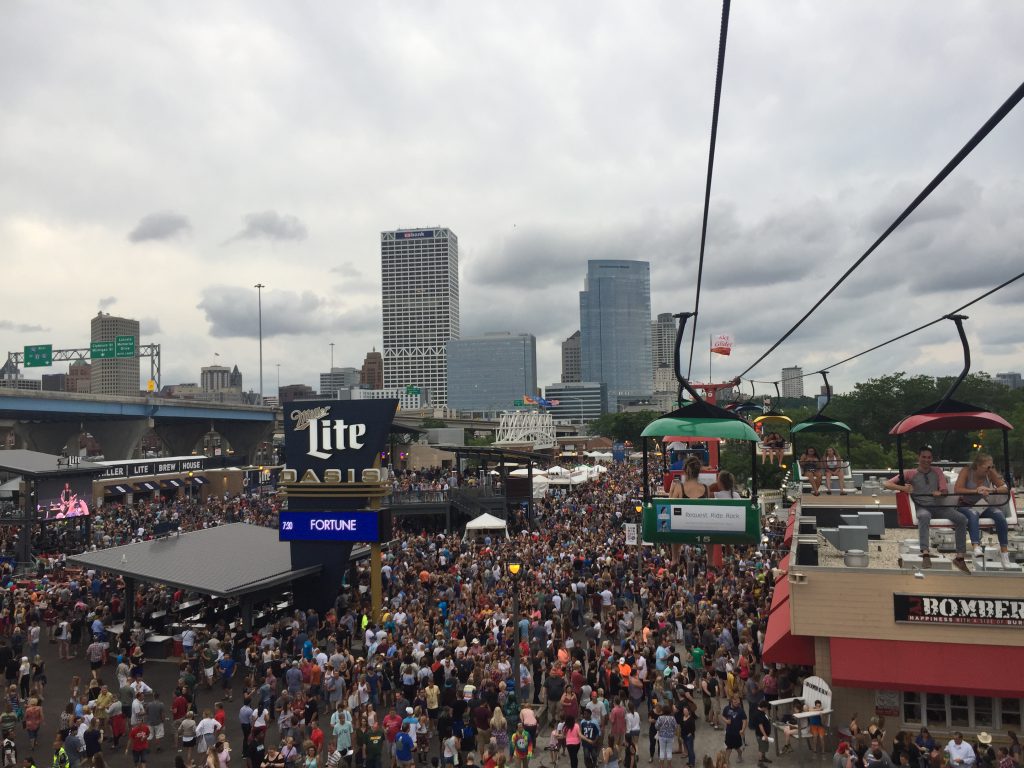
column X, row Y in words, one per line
column 279, row 378
column 515, row 567
column 259, row 303
column 332, row 356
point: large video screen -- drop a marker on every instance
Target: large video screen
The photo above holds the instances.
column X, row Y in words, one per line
column 62, row 498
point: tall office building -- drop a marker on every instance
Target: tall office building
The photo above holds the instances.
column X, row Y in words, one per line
column 571, row 358
column 79, row 377
column 792, row 382
column 115, row 375
column 489, row 373
column 1011, row 380
column 663, row 341
column 615, row 329
column 337, row 379
column 420, row 296
column 213, row 378
column 372, row 374
column 578, row 401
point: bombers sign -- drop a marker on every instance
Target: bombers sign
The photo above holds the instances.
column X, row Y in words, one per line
column 968, row 611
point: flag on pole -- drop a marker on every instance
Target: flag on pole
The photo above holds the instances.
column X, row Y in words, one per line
column 722, row 344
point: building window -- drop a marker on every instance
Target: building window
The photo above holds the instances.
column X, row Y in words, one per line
column 936, row 709
column 1009, row 710
column 958, row 711
column 912, row 708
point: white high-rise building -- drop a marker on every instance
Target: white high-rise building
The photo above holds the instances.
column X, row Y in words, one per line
column 792, row 383
column 115, row 375
column 420, row 296
column 663, row 341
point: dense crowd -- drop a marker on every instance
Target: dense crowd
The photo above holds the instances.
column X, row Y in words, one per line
column 618, row 654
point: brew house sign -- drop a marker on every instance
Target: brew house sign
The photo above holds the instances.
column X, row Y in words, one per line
column 948, row 609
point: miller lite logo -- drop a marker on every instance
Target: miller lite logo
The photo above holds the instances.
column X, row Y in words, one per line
column 327, row 436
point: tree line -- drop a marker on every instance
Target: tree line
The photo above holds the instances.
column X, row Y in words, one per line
column 871, row 409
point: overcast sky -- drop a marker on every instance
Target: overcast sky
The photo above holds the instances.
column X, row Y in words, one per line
column 159, row 159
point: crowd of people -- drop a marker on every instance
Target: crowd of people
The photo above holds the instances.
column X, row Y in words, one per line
column 617, row 654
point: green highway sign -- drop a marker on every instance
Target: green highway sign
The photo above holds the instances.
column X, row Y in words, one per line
column 124, row 346
column 517, row 403
column 411, row 390
column 39, row 356
column 101, row 350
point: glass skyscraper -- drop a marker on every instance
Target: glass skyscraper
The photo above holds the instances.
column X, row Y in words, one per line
column 489, row 373
column 420, row 296
column 615, row 328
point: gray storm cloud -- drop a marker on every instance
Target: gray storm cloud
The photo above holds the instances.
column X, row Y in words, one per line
column 233, row 312
column 162, row 225
column 271, row 225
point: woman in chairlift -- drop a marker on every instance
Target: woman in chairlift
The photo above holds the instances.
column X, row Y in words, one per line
column 693, row 488
column 834, row 468
column 810, row 463
column 982, row 491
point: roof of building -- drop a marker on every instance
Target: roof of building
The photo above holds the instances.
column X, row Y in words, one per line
column 227, row 560
column 26, row 462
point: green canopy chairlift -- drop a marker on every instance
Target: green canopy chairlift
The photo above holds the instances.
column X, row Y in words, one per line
column 707, row 520
column 821, row 423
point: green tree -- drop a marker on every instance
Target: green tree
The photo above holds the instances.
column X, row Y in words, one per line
column 623, row 426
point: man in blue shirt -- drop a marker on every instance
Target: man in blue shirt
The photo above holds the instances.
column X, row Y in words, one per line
column 404, row 746
column 590, row 733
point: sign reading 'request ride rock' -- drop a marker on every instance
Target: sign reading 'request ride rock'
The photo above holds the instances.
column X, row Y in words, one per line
column 332, row 453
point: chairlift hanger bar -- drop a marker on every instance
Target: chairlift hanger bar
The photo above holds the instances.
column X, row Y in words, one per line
column 904, row 335
column 722, row 37
column 997, row 117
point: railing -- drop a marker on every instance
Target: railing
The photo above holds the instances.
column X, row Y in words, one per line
column 416, row 497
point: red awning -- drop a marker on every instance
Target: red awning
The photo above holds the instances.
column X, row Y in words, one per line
column 783, row 647
column 790, row 528
column 978, row 670
column 781, row 593
column 784, row 564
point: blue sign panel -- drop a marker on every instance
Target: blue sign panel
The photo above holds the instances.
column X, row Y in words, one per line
column 415, row 234
column 329, row 526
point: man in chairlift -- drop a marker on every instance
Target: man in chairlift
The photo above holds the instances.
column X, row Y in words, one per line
column 922, row 482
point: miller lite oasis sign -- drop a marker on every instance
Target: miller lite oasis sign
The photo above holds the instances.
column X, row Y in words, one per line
column 339, row 437
column 332, row 453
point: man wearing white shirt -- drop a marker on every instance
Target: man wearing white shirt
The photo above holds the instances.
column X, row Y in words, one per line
column 961, row 754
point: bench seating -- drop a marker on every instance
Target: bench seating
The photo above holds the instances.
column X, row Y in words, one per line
column 906, row 508
column 848, row 484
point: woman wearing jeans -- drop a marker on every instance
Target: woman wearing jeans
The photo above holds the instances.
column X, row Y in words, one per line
column 573, row 739
column 974, row 484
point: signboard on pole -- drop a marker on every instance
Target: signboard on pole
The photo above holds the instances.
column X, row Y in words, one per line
column 38, row 356
column 124, row 346
column 702, row 521
column 361, row 525
column 632, row 538
column 101, row 350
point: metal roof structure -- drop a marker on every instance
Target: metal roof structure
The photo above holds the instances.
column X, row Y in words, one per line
column 33, row 463
column 494, row 452
column 225, row 561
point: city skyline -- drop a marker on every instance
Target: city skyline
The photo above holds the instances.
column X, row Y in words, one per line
column 589, row 140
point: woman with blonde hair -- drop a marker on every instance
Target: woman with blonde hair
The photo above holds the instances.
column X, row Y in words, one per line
column 978, row 486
